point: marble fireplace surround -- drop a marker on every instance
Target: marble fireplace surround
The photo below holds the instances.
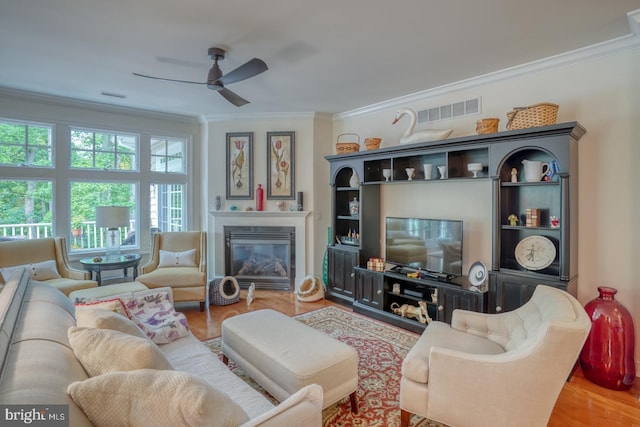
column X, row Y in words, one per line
column 297, row 219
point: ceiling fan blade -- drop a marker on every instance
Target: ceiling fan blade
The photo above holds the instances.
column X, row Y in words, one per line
column 169, row 80
column 232, row 97
column 247, row 70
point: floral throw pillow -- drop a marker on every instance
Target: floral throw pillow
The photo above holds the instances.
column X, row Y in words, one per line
column 155, row 315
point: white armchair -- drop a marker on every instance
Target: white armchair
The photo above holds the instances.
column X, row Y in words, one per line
column 187, row 276
column 501, row 369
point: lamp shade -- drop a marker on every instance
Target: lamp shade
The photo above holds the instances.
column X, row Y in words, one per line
column 112, row 216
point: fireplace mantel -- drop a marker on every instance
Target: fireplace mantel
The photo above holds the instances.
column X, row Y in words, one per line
column 260, row 214
column 298, row 219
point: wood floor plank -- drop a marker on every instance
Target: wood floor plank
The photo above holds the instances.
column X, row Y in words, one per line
column 581, row 403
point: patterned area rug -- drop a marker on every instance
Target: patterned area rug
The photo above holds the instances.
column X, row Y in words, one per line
column 381, row 348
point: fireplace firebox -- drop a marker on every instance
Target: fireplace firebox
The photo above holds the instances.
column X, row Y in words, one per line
column 264, row 255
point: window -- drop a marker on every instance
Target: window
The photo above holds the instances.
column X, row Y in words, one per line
column 25, row 209
column 103, row 150
column 85, row 196
column 167, row 155
column 167, row 207
column 25, row 144
column 99, row 168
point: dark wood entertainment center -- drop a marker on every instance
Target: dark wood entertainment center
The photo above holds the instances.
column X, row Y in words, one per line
column 356, row 235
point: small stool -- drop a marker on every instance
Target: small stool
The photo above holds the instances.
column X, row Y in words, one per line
column 91, row 294
column 284, row 355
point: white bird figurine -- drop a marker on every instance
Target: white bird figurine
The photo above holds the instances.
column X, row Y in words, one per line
column 424, row 135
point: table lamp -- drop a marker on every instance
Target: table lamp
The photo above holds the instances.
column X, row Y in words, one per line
column 112, row 218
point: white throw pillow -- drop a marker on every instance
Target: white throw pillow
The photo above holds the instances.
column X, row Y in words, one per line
column 44, row 270
column 150, row 398
column 100, row 318
column 177, row 259
column 103, row 350
column 155, row 315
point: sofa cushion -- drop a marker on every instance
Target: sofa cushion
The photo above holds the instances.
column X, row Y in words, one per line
column 177, row 259
column 155, row 315
column 176, row 277
column 154, row 398
column 102, row 350
column 112, row 304
column 100, row 318
column 439, row 334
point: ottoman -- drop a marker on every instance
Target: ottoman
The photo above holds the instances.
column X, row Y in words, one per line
column 284, row 355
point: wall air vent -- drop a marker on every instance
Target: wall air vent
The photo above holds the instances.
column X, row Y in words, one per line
column 450, row 111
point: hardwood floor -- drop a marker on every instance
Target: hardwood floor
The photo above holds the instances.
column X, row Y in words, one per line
column 581, row 403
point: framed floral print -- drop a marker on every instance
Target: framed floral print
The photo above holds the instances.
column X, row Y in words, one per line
column 239, row 165
column 280, row 165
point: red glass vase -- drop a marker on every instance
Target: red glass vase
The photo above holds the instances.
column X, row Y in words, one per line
column 607, row 356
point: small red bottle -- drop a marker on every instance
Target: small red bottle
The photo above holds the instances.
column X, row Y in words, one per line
column 260, row 198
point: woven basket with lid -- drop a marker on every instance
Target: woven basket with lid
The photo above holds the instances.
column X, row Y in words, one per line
column 542, row 114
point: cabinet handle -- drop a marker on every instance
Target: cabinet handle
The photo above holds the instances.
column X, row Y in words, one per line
column 440, row 308
column 379, row 291
column 353, row 274
column 498, row 309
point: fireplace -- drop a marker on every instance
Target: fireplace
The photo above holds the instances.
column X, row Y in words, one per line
column 264, row 255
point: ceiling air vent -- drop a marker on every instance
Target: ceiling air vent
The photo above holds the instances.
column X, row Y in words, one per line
column 450, row 111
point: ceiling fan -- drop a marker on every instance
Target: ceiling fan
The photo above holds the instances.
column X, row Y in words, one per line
column 217, row 81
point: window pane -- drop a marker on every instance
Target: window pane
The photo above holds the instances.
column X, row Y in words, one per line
column 167, row 155
column 85, row 196
column 167, row 207
column 25, row 144
column 25, row 209
column 103, row 150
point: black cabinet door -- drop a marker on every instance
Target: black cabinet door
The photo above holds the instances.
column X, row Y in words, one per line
column 370, row 288
column 342, row 265
column 509, row 291
column 451, row 299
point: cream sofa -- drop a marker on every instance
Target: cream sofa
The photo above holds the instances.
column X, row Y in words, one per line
column 30, row 251
column 38, row 363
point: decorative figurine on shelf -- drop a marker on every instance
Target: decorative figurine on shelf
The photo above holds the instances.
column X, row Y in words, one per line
column 406, row 310
column 513, row 219
column 514, row 175
column 554, row 221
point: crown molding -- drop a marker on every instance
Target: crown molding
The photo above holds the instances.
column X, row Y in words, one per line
column 62, row 101
column 620, row 44
column 259, row 116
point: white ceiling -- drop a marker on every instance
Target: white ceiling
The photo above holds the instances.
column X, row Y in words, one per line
column 325, row 56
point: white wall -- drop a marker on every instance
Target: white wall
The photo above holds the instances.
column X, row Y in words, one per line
column 602, row 93
column 310, row 168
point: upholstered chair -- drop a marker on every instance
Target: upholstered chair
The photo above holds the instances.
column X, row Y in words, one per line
column 501, row 369
column 46, row 261
column 179, row 260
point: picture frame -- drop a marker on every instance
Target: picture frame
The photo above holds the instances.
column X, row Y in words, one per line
column 281, row 165
column 239, row 169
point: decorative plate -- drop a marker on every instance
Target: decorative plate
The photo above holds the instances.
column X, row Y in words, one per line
column 477, row 273
column 535, row 252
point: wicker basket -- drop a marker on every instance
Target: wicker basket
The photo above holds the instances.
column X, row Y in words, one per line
column 344, row 147
column 542, row 114
column 372, row 143
column 489, row 125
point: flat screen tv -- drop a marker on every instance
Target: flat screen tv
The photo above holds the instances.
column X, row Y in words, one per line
column 432, row 245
